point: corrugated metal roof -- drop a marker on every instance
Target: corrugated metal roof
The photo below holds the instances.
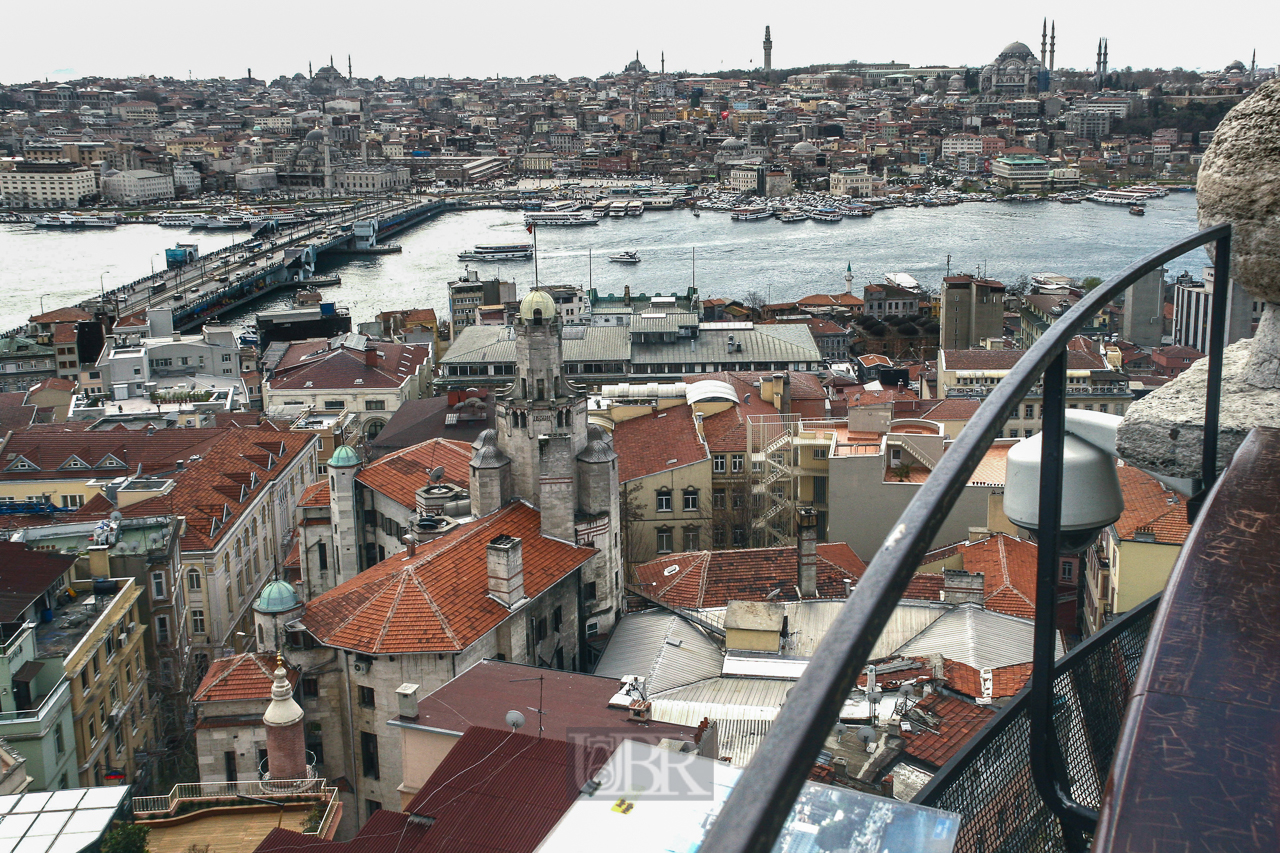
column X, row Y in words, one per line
column 808, row 621
column 743, row 709
column 976, row 636
column 665, row 649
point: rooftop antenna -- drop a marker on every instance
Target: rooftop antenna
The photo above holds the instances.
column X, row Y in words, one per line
column 538, row 710
column 948, row 266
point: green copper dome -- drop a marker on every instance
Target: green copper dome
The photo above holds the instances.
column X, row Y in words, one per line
column 277, row 597
column 343, row 457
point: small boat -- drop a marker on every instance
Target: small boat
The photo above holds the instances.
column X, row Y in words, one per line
column 625, row 258
column 1138, row 210
column 696, row 212
column 792, row 216
column 750, row 214
column 826, row 214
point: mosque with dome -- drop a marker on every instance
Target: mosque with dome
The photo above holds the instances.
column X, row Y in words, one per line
column 1015, row 73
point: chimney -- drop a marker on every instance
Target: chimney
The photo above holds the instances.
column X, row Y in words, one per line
column 959, row 586
column 286, row 742
column 506, row 570
column 407, row 694
column 410, row 543
column 370, row 355
column 807, row 521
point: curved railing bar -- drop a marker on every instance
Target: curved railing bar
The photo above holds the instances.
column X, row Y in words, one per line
column 761, row 801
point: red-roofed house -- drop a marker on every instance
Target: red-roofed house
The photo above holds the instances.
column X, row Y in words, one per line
column 1133, row 558
column 370, row 383
column 230, row 735
column 664, row 473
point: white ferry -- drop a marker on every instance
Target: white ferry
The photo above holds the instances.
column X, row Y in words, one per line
column 659, row 203
column 792, row 216
column 601, row 208
column 635, row 208
column 176, row 220
column 826, row 214
column 75, row 220
column 1125, row 197
column 555, row 217
column 508, row 252
column 618, row 208
column 749, row 214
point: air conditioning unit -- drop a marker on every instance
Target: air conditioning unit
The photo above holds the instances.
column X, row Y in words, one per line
column 133, row 626
column 122, row 639
column 359, row 667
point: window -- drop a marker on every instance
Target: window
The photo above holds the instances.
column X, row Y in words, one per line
column 59, row 739
column 72, row 501
column 718, row 499
column 692, row 539
column 1029, row 410
column 372, row 806
column 157, row 585
column 1026, row 433
column 718, row 463
column 97, row 669
column 197, row 622
column 162, row 632
column 664, row 501
column 664, row 540
column 593, row 628
column 739, row 499
column 557, row 619
column 120, row 741
column 736, row 462
column 310, row 688
column 690, row 500
column 193, row 579
column 226, row 357
column 334, row 404
column 128, row 675
column 365, row 696
column 589, row 591
column 375, row 405
column 820, row 453
column 84, row 681
column 369, row 755
column 93, row 731
column 1067, row 570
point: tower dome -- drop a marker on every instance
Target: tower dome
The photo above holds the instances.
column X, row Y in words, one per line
column 1016, row 50
column 277, row 597
column 315, row 136
column 343, row 457
column 536, row 307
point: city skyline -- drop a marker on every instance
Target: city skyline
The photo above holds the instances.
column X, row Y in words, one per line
column 276, row 42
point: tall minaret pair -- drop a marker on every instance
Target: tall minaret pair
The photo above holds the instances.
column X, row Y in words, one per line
column 768, row 52
column 1101, row 73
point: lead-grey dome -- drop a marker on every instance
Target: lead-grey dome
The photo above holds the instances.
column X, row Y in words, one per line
column 1016, row 49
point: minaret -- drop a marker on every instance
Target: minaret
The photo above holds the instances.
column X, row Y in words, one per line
column 768, row 52
column 664, row 61
column 1253, row 67
column 1053, row 36
column 1106, row 49
column 848, row 279
column 286, row 743
column 1044, row 41
column 309, row 74
column 1097, row 67
column 349, row 74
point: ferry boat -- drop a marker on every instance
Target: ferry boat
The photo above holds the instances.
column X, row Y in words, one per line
column 75, row 220
column 566, row 206
column 508, row 252
column 750, row 214
column 625, row 258
column 601, row 208
column 618, row 208
column 176, row 220
column 792, row 216
column 1124, row 197
column 556, row 217
column 659, row 203
column 218, row 222
column 826, row 214
column 1138, row 210
column 635, row 208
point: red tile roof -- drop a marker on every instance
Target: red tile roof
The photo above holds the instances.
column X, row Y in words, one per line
column 830, row 300
column 62, row 315
column 957, row 722
column 246, row 676
column 1006, row 681
column 340, row 368
column 317, row 494
column 953, row 410
column 399, row 475
column 53, row 449
column 1150, row 508
column 859, row 395
column 15, row 414
column 981, row 359
column 1008, row 565
column 437, row 600
column 658, row 442
column 713, row 578
column 229, row 477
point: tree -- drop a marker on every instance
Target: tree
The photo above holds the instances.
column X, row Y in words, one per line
column 1090, row 282
column 126, row 838
column 837, row 83
column 1021, row 285
column 754, row 300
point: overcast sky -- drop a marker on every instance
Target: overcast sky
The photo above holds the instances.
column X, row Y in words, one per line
column 518, row 39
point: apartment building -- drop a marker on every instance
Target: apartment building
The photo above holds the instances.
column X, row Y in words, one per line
column 41, row 184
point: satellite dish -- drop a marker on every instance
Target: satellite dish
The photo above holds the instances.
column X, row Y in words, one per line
column 866, row 734
column 772, row 595
column 839, row 731
column 116, row 516
column 437, row 474
column 515, row 719
column 905, row 690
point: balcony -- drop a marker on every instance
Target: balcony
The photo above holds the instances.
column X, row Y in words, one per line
column 1156, row 733
column 201, row 811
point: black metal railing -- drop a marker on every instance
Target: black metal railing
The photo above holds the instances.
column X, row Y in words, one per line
column 754, row 814
column 988, row 782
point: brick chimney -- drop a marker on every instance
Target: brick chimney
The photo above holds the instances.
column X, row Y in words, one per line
column 506, row 570
column 370, row 355
column 807, row 521
column 960, row 586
